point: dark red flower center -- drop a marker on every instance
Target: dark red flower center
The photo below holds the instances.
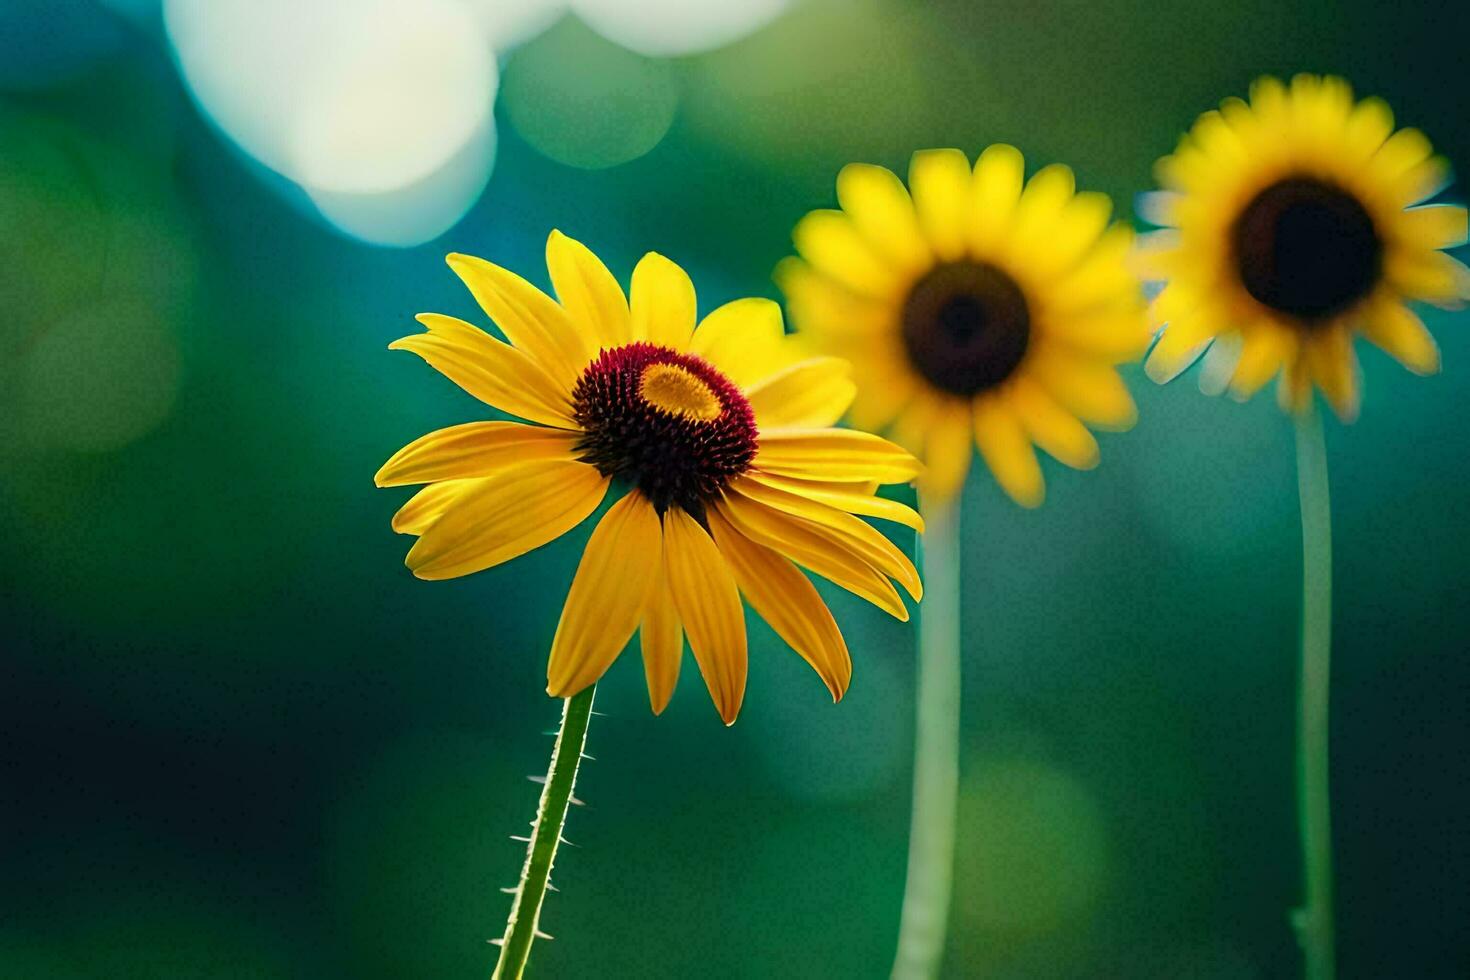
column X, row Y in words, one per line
column 966, row 326
column 1307, row 248
column 669, row 423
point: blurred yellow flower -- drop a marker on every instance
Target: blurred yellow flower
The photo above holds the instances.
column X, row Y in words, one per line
column 977, row 311
column 1289, row 230
column 722, row 433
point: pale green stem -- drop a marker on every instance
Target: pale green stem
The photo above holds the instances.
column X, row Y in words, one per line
column 936, row 752
column 556, row 795
column 1314, row 810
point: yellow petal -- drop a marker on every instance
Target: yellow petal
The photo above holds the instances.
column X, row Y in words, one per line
column 531, row 320
column 840, row 455
column 1181, row 344
column 995, row 190
column 609, row 592
column 429, row 504
column 1434, row 277
column 709, row 605
column 833, row 245
column 816, row 303
column 883, row 392
column 1406, row 160
column 940, row 181
column 1092, row 392
column 662, row 638
column 810, row 394
column 473, row 449
column 663, row 303
column 799, row 541
column 882, row 211
column 1159, row 208
column 1076, row 228
column 1040, row 209
column 1117, row 335
column 1219, row 364
column 744, row 339
column 1294, row 388
column 788, row 601
column 589, row 292
column 847, row 497
column 494, row 372
column 1334, row 366
column 507, row 515
column 947, row 452
column 1102, row 277
column 1435, row 225
column 912, row 427
column 1402, row 335
column 1369, row 124
column 1051, row 426
column 1008, row 452
column 1262, row 352
column 846, row 531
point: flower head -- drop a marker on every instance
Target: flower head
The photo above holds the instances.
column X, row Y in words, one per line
column 720, row 433
column 1289, row 230
column 982, row 310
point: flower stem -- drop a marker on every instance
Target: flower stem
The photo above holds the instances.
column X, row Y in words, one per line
column 551, row 814
column 936, row 752
column 1314, row 811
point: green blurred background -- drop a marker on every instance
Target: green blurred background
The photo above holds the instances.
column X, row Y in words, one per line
column 240, row 740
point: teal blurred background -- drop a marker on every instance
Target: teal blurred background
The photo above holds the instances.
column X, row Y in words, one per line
column 240, row 740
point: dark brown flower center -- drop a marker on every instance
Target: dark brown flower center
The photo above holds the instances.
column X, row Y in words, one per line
column 669, row 423
column 1307, row 248
column 966, row 326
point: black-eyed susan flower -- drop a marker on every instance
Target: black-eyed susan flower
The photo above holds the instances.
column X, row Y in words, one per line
column 1290, row 229
column 976, row 308
column 720, row 437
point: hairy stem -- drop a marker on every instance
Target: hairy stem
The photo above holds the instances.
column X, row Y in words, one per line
column 521, row 929
column 936, row 752
column 1314, row 810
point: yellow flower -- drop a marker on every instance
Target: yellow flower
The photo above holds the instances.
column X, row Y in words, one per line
column 722, row 435
column 975, row 311
column 1289, row 231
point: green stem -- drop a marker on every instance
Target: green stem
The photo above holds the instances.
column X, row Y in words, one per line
column 556, row 795
column 936, row 752
column 1314, row 810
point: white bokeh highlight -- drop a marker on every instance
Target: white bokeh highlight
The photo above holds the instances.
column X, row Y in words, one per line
column 381, row 110
column 670, row 28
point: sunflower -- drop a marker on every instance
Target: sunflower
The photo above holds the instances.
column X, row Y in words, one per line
column 720, row 433
column 977, row 311
column 1289, row 230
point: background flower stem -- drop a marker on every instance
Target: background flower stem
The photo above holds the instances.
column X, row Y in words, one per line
column 936, row 751
column 1314, row 813
column 522, row 928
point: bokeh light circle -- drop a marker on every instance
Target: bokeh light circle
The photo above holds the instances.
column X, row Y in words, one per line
column 99, row 378
column 356, row 103
column 667, row 28
column 586, row 102
column 508, row 24
column 1034, row 855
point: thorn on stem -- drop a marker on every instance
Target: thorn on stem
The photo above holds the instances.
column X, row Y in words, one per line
column 523, row 840
column 510, row 891
column 567, row 842
column 574, row 801
column 588, row 757
column 542, row 935
column 537, row 779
